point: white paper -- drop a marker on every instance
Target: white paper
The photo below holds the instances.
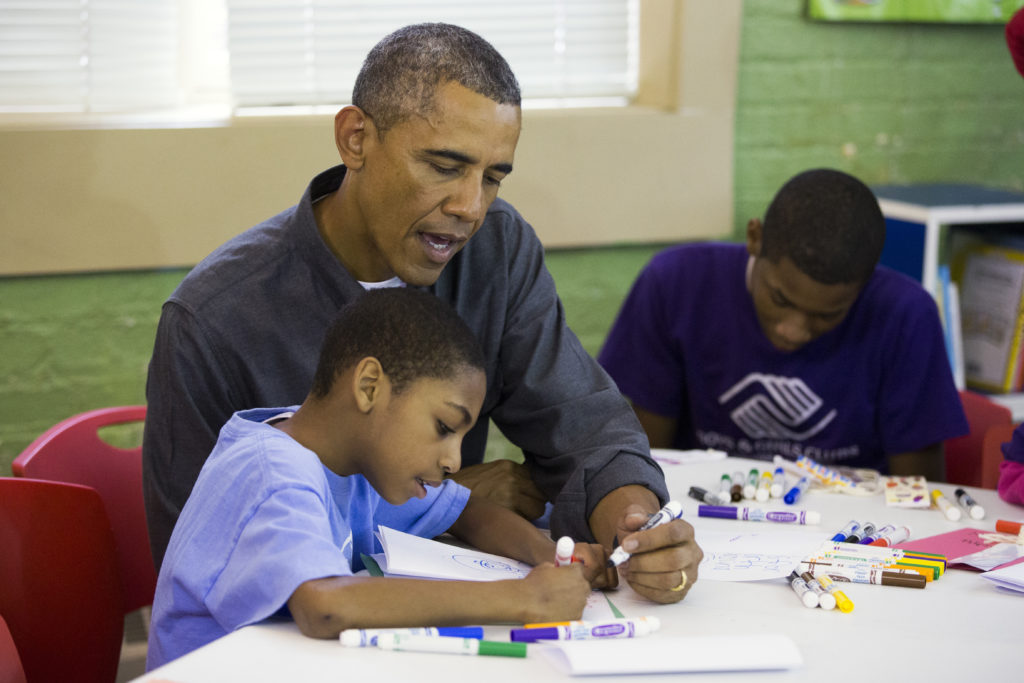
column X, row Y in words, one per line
column 656, row 654
column 1011, row 578
column 753, row 556
column 408, row 555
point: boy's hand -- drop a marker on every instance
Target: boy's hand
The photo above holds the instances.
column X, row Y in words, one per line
column 505, row 483
column 594, row 558
column 554, row 593
column 663, row 561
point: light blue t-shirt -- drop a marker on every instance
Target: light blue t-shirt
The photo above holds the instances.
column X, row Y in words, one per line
column 265, row 516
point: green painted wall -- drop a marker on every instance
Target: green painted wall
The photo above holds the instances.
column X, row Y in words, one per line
column 889, row 103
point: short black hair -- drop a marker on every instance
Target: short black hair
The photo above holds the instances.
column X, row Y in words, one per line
column 412, row 333
column 403, row 71
column 829, row 224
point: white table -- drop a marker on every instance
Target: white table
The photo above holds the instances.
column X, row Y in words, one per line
column 960, row 628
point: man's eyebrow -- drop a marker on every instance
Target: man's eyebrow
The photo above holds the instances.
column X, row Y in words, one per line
column 466, row 159
column 466, row 417
column 821, row 314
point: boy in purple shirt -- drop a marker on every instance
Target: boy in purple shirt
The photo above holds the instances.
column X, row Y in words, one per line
column 797, row 344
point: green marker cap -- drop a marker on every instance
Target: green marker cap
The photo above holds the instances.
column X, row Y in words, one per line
column 498, row 649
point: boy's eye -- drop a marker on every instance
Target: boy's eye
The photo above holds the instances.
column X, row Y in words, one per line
column 443, row 429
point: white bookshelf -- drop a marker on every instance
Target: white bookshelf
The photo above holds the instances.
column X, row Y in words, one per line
column 934, row 206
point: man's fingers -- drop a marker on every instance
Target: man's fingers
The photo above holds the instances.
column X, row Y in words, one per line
column 676, row 532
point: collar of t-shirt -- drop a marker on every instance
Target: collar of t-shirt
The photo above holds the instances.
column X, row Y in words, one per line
column 393, row 282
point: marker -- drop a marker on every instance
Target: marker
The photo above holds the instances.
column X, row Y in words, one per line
column 563, row 551
column 456, row 646
column 672, row 510
column 875, row 575
column 367, row 637
column 871, row 536
column 877, row 553
column 704, row 495
column 896, row 535
column 764, row 487
column 850, row 528
column 855, row 537
column 951, row 513
column 800, row 587
column 750, row 489
column 586, row 630
column 778, row 483
column 759, row 515
column 736, row 492
column 1008, row 527
column 724, row 484
column 929, row 569
column 967, row 503
column 825, row 599
column 794, row 493
column 844, row 603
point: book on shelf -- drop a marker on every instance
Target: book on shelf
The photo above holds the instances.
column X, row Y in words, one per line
column 992, row 318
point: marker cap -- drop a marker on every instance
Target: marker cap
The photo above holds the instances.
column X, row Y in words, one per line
column 812, row 517
column 500, row 649
column 977, row 512
column 529, row 635
column 1008, row 527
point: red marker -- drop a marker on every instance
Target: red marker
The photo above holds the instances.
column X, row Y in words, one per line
column 1009, row 527
column 563, row 552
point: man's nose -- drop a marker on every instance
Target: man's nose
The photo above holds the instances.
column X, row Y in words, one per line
column 468, row 202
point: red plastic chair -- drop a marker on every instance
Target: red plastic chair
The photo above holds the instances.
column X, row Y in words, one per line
column 11, row 670
column 72, row 451
column 992, row 453
column 60, row 592
column 965, row 454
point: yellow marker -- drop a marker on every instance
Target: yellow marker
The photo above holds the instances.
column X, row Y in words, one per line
column 842, row 602
column 951, row 512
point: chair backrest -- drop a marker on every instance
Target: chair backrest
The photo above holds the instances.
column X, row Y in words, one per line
column 60, row 591
column 992, row 453
column 964, row 453
column 11, row 670
column 72, row 451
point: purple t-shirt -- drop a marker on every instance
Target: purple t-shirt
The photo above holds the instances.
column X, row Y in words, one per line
column 687, row 344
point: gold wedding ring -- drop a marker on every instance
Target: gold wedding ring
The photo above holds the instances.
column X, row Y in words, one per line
column 682, row 582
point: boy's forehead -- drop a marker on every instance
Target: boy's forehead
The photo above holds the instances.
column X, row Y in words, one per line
column 805, row 292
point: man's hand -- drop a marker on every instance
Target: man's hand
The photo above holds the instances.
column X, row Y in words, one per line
column 661, row 556
column 663, row 561
column 505, row 483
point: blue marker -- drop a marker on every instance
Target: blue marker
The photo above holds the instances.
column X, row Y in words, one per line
column 797, row 490
column 778, row 483
column 847, row 530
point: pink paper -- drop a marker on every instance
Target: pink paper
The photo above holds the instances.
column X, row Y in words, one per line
column 954, row 544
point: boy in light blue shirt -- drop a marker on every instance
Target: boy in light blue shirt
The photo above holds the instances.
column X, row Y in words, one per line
column 291, row 497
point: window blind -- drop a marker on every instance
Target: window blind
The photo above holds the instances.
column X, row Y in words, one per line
column 308, row 52
column 88, row 55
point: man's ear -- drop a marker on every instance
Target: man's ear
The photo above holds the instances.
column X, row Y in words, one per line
column 368, row 383
column 351, row 127
column 754, row 237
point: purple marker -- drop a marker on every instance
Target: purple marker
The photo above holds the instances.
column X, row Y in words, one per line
column 586, row 630
column 759, row 515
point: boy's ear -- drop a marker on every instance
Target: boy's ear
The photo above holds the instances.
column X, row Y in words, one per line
column 351, row 128
column 368, row 383
column 754, row 237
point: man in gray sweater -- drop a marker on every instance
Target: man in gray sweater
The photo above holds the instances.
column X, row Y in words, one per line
column 431, row 133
